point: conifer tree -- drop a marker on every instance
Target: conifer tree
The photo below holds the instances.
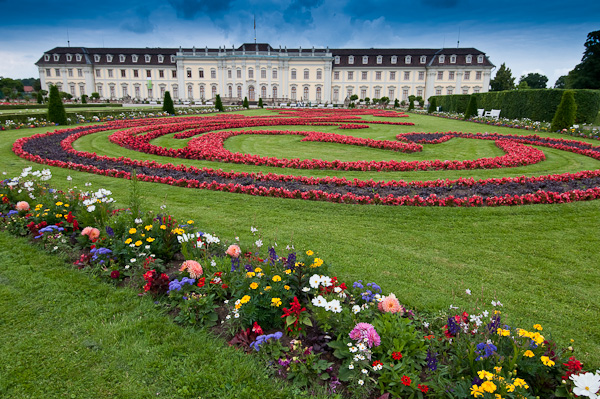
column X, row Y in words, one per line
column 260, row 102
column 246, row 104
column 168, row 104
column 471, row 107
column 219, row 104
column 565, row 114
column 56, row 109
column 40, row 97
column 432, row 105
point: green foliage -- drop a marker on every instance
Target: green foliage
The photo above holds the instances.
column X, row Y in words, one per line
column 260, row 102
column 456, row 103
column 384, row 101
column 396, row 103
column 354, row 97
column 471, row 108
column 523, row 85
column 586, row 74
column 245, row 104
column 219, row 104
column 56, row 110
column 432, row 105
column 95, row 95
column 84, row 99
column 534, row 81
column 561, row 82
column 565, row 114
column 40, row 97
column 411, row 105
column 503, row 79
column 168, row 104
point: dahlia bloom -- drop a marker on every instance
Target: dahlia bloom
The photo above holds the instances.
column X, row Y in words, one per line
column 22, row 206
column 365, row 332
column 193, row 268
column 390, row 304
column 234, row 251
column 92, row 232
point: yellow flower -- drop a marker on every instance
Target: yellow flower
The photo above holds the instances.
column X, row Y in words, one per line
column 66, row 216
column 519, row 382
column 485, row 375
column 245, row 299
column 258, row 270
column 148, row 228
column 128, row 241
column 58, row 203
column 250, row 274
column 276, row 278
column 276, row 302
column 163, row 227
column 503, row 332
column 497, row 369
column 538, row 338
column 309, row 252
column 547, row 362
column 132, row 231
column 239, row 305
column 138, row 243
column 178, row 231
column 488, row 386
column 528, row 353
column 267, row 288
column 476, row 391
column 288, row 271
column 67, row 205
column 538, row 327
column 299, row 264
column 254, row 286
column 318, row 262
column 150, row 239
column 59, row 215
column 44, row 214
column 287, row 287
column 143, row 235
column 190, row 222
column 498, row 396
column 510, row 388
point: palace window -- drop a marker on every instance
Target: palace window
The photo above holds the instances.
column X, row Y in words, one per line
column 451, row 75
column 349, row 91
column 469, row 59
column 112, row 91
column 78, row 57
column 174, row 73
column 480, row 59
column 274, row 91
column 336, row 94
column 467, row 75
column 172, row 59
column 318, row 94
column 408, row 59
column 465, row 90
column 239, row 91
column 49, row 72
column 110, row 73
column 200, row 73
column 134, row 58
column 337, row 59
column 202, row 92
column 72, row 89
column 161, row 58
column 364, row 75
column 404, row 94
column 137, row 91
column 319, row 74
column 393, row 75
column 423, row 59
column 378, row 75
column 379, row 59
column 453, row 59
column 350, row 75
column 440, row 75
column 109, row 58
column 123, row 73
column 147, row 58
column 274, row 73
column 98, row 73
column 239, row 73
column 189, row 73
column 293, row 94
column 306, row 74
column 363, row 93
column 96, row 58
column 126, row 93
column 263, row 92
column 99, row 90
column 250, row 73
column 394, row 59
column 306, row 94
column 56, row 57
column 476, row 90
column 190, row 92
column 148, row 73
column 478, row 75
column 377, row 92
column 442, row 58
column 263, row 74
column 449, row 91
column 419, row 92
column 175, row 91
column 391, row 94
column 161, row 73
column 350, row 59
column 406, row 75
column 70, row 72
column 365, row 59
column 81, row 90
column 136, row 73
column 438, row 92
column 80, row 72
column 121, row 58
column 213, row 73
column 229, row 75
column 69, row 57
column 46, row 57
column 230, row 91
column 293, row 74
column 336, row 75
column 421, row 75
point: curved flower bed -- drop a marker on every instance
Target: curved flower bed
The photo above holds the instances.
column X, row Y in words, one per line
column 55, row 149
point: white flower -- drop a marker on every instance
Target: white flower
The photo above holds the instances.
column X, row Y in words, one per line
column 351, row 366
column 132, row 260
column 237, row 238
column 305, row 289
column 237, row 315
column 352, row 349
column 468, row 291
column 69, row 178
column 213, row 263
column 258, row 243
column 453, row 307
column 425, row 324
column 314, row 281
column 586, row 384
column 355, row 309
column 210, row 239
column 253, row 230
column 362, row 347
column 138, row 220
column 496, row 303
column 337, row 290
column 326, row 281
column 228, row 317
column 91, row 208
column 226, row 301
column 364, row 371
column 361, row 382
column 320, row 302
column 334, row 306
column 127, row 267
column 485, row 313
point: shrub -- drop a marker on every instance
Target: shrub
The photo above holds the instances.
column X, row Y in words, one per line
column 56, row 110
column 411, row 105
column 84, row 99
column 246, row 104
column 471, row 108
column 432, row 105
column 396, row 103
column 260, row 102
column 40, row 97
column 168, row 104
column 565, row 113
column 219, row 103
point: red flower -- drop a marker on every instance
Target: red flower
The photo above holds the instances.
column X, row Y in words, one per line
column 257, row 329
column 115, row 274
column 224, row 286
column 406, row 380
column 201, row 282
column 423, row 388
column 377, row 363
column 397, row 355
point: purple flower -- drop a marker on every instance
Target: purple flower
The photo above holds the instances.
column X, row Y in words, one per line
column 235, row 263
column 291, row 261
column 485, row 350
column 453, row 327
column 110, row 231
column 431, row 360
column 365, row 332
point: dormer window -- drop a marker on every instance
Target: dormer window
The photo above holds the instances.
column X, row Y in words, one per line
column 134, row 58
column 161, row 58
column 350, row 59
column 337, row 59
column 394, row 59
column 407, row 59
column 121, row 58
column 147, row 58
column 365, row 59
column 453, row 59
column 469, row 59
column 109, row 58
column 69, row 57
column 172, row 59
column 46, row 57
column 96, row 58
column 379, row 59
column 442, row 58
column 423, row 59
column 56, row 57
column 78, row 57
column 480, row 59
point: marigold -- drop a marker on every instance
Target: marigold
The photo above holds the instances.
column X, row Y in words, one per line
column 132, row 230
column 287, row 287
column 58, row 203
column 148, row 227
column 193, row 268
column 528, row 353
column 519, row 382
column 547, row 362
column 150, row 239
column 538, row 327
column 128, row 241
column 254, row 286
column 276, row 302
column 477, row 391
column 276, row 278
column 309, row 252
column 138, row 243
column 488, row 386
column 250, row 274
column 245, row 299
column 163, row 227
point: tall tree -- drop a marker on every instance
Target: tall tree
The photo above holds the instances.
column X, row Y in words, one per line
column 503, row 79
column 535, row 80
column 564, row 117
column 168, row 104
column 56, row 109
column 586, row 74
column 561, row 82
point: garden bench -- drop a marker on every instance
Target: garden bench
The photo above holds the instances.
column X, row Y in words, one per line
column 495, row 113
column 209, row 103
column 480, row 112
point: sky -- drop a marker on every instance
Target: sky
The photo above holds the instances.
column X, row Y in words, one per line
column 546, row 37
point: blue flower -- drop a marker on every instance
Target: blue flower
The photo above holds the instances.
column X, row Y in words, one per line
column 110, row 231
column 176, row 285
column 261, row 339
column 453, row 327
column 431, row 360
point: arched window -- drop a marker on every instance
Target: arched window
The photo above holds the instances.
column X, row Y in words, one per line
column 263, row 92
column 293, row 95
column 202, row 92
column 214, row 92
column 190, row 92
column 306, row 94
column 318, row 94
column 274, row 91
column 251, row 93
column 239, row 91
column 336, row 94
column 230, row 91
column 407, row 59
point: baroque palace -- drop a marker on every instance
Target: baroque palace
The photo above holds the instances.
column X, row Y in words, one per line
column 256, row 70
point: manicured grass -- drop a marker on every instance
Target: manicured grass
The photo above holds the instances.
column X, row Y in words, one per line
column 539, row 261
column 67, row 335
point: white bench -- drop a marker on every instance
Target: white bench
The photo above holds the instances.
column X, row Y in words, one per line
column 321, row 106
column 186, row 103
column 283, row 105
column 197, row 103
column 209, row 103
column 480, row 112
column 153, row 103
column 495, row 113
column 329, row 105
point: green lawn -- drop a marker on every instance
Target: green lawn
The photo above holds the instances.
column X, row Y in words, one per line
column 539, row 261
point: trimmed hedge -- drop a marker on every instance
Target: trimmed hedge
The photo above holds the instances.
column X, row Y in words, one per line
column 538, row 104
column 45, row 106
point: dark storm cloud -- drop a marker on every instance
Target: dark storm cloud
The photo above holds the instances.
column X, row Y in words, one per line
column 189, row 9
column 140, row 23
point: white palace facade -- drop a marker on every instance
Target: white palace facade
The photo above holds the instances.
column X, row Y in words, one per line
column 258, row 70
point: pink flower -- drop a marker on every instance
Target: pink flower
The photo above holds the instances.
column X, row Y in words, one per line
column 234, row 251
column 92, row 232
column 365, row 332
column 22, row 206
column 391, row 304
column 194, row 268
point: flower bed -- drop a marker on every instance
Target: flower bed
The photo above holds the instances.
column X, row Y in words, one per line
column 323, row 334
